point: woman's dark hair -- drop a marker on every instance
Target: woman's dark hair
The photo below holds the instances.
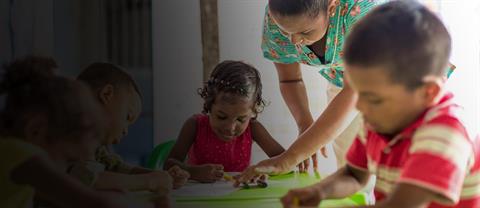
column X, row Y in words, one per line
column 311, row 8
column 30, row 87
column 233, row 77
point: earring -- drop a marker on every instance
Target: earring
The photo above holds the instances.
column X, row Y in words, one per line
column 332, row 9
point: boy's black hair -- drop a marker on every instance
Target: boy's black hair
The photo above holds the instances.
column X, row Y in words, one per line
column 99, row 74
column 403, row 37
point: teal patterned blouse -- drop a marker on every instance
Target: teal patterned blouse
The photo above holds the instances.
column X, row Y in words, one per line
column 278, row 48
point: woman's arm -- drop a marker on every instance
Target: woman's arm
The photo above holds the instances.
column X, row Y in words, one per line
column 268, row 144
column 294, row 94
column 324, row 129
column 320, row 133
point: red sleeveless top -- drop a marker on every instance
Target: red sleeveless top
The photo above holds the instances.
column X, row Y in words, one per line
column 207, row 148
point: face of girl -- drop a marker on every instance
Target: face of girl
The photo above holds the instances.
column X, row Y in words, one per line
column 230, row 115
column 302, row 29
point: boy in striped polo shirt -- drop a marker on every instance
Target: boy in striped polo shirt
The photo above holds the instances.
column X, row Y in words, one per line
column 413, row 139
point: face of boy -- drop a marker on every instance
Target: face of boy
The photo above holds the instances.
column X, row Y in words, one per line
column 230, row 115
column 387, row 107
column 123, row 106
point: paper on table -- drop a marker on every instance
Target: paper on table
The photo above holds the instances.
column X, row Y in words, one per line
column 195, row 189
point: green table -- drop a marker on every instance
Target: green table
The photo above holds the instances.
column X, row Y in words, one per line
column 266, row 197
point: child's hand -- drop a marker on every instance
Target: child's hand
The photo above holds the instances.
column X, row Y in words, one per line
column 207, row 173
column 308, row 196
column 180, row 176
column 160, row 182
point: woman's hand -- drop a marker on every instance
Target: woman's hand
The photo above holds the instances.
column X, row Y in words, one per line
column 304, row 165
column 273, row 166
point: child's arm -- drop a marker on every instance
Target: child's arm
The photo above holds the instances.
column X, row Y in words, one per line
column 268, row 144
column 140, row 170
column 63, row 191
column 158, row 181
column 182, row 145
column 407, row 196
column 202, row 173
column 344, row 182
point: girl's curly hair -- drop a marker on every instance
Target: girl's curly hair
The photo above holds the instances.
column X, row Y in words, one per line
column 234, row 77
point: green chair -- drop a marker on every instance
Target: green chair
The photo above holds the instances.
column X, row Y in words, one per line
column 159, row 155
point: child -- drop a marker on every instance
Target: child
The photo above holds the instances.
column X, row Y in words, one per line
column 414, row 140
column 221, row 139
column 46, row 118
column 121, row 101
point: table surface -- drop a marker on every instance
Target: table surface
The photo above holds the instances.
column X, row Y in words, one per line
column 266, row 197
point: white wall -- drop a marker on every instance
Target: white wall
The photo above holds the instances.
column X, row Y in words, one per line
column 177, row 65
column 240, row 28
column 462, row 19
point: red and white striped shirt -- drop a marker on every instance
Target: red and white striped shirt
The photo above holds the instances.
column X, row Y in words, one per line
column 434, row 152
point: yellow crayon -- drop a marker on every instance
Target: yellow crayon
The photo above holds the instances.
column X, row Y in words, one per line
column 227, row 177
column 296, row 202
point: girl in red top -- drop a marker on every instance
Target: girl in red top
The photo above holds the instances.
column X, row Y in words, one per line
column 221, row 138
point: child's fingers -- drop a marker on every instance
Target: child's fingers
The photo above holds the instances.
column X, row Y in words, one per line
column 218, row 167
column 184, row 174
column 173, row 171
column 218, row 173
column 304, row 196
column 179, row 183
column 178, row 172
column 291, row 199
column 287, row 200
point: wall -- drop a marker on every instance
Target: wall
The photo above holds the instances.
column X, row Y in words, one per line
column 240, row 25
column 177, row 65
